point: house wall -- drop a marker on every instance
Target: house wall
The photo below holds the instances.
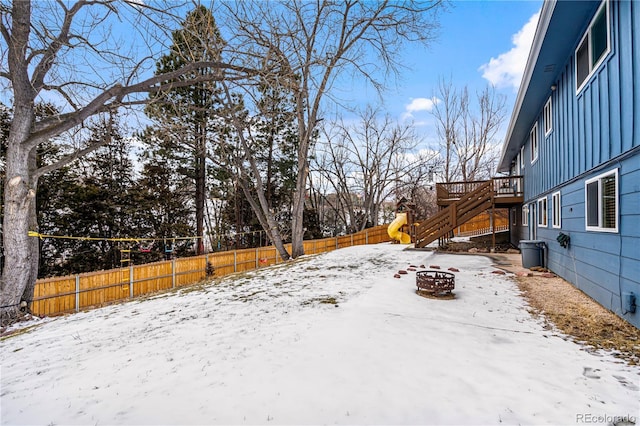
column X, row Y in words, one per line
column 593, row 132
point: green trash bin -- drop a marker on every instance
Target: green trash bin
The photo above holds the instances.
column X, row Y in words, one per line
column 532, row 253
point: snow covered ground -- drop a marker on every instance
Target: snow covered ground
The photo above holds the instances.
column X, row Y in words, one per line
column 273, row 347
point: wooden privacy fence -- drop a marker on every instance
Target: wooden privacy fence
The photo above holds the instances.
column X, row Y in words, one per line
column 71, row 293
column 482, row 224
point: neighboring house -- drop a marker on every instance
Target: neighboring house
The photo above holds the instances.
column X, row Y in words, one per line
column 575, row 137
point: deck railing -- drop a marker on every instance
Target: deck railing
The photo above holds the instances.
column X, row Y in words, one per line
column 508, row 186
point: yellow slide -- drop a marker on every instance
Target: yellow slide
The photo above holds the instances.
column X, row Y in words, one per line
column 394, row 229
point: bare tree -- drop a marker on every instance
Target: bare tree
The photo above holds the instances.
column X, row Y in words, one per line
column 448, row 112
column 68, row 52
column 468, row 131
column 314, row 42
column 370, row 161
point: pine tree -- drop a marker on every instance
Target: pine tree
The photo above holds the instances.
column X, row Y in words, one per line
column 187, row 114
column 92, row 199
column 163, row 200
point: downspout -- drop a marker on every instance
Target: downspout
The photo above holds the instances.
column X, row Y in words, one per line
column 622, row 308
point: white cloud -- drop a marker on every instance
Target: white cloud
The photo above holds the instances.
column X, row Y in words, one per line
column 506, row 70
column 421, row 104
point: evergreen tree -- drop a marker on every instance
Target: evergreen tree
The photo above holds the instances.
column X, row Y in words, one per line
column 273, row 152
column 95, row 200
column 186, row 113
column 163, row 199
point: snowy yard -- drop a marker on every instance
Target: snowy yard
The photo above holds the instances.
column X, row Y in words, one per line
column 274, row 347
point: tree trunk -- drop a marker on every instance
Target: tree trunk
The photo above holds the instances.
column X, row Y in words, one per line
column 34, row 243
column 201, row 155
column 266, row 219
column 297, row 228
column 19, row 200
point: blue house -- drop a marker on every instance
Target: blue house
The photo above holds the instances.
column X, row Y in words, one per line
column 574, row 136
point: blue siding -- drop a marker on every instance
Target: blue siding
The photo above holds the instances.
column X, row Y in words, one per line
column 594, row 132
column 635, row 45
column 622, row 38
column 602, row 264
column 597, row 124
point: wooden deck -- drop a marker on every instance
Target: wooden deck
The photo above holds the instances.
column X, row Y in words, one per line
column 507, row 191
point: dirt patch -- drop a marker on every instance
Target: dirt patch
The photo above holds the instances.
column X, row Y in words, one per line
column 572, row 312
column 483, row 246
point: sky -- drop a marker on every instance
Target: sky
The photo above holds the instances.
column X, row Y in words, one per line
column 326, row 339
column 480, row 43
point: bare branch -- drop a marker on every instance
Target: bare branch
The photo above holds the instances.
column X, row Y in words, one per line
column 161, row 83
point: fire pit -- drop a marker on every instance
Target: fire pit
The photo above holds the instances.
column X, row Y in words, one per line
column 435, row 282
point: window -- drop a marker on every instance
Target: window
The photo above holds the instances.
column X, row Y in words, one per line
column 593, row 47
column 548, row 119
column 542, row 211
column 521, row 159
column 601, row 202
column 525, row 215
column 533, row 140
column 556, row 210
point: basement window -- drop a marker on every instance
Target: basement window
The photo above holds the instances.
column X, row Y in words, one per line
column 601, row 202
column 593, row 47
column 542, row 212
column 525, row 215
column 556, row 210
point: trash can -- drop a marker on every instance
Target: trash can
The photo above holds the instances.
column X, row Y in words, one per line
column 532, row 253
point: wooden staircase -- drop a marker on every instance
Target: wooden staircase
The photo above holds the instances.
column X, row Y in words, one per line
column 467, row 207
column 462, row 201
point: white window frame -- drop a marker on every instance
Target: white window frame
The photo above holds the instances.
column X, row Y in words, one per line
column 533, row 141
column 542, row 212
column 587, row 38
column 522, row 159
column 599, row 178
column 556, row 210
column 548, row 118
column 525, row 215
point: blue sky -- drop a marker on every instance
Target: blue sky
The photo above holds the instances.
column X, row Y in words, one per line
column 480, row 43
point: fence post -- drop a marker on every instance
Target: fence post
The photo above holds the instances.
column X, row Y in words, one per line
column 173, row 273
column 336, row 243
column 235, row 261
column 77, row 293
column 352, row 240
column 257, row 265
column 366, row 236
column 131, row 282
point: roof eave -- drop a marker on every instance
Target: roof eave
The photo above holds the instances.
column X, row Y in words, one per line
column 548, row 6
